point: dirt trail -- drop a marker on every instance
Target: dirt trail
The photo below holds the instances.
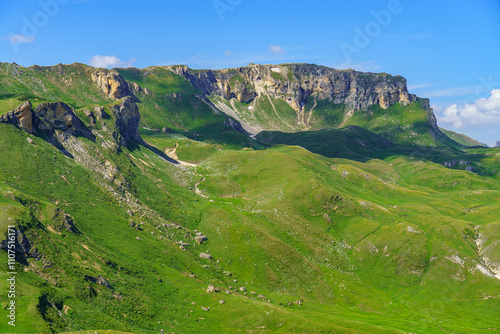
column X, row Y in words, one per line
column 171, row 152
column 197, row 190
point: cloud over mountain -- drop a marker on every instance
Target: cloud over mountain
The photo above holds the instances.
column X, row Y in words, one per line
column 110, row 61
column 484, row 112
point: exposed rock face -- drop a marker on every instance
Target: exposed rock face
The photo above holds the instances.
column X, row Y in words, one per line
column 205, row 256
column 200, row 238
column 497, row 144
column 488, row 248
column 111, row 83
column 295, row 83
column 136, row 88
column 431, row 118
column 46, row 117
column 59, row 116
column 22, row 117
column 127, row 119
column 63, row 221
column 99, row 280
column 23, row 245
column 100, row 113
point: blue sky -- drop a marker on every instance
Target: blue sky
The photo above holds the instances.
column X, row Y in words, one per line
column 448, row 50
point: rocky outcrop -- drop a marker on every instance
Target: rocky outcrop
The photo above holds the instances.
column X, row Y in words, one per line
column 497, row 144
column 22, row 117
column 138, row 89
column 99, row 280
column 59, row 116
column 488, row 247
column 64, row 222
column 46, row 117
column 200, row 238
column 23, row 246
column 205, row 256
column 100, row 114
column 432, row 121
column 295, row 83
column 127, row 120
column 111, row 83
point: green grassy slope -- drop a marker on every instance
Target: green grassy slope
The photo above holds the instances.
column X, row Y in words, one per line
column 347, row 234
column 405, row 125
column 365, row 238
column 461, row 138
column 175, row 104
column 69, row 83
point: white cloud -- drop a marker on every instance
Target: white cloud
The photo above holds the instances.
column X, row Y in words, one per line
column 276, row 49
column 228, row 53
column 483, row 113
column 110, row 61
column 20, row 39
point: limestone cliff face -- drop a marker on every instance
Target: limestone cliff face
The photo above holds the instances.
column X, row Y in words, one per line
column 22, row 117
column 111, row 83
column 295, row 83
column 431, row 118
column 59, row 116
column 46, row 117
column 57, row 121
column 127, row 119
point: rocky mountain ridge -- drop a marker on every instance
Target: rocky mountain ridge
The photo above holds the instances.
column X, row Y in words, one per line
column 254, row 98
column 315, row 97
column 295, row 83
column 57, row 120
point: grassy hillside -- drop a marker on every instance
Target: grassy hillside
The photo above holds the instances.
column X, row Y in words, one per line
column 461, row 138
column 69, row 83
column 405, row 125
column 327, row 231
column 173, row 103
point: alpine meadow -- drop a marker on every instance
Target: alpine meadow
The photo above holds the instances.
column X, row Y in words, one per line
column 273, row 197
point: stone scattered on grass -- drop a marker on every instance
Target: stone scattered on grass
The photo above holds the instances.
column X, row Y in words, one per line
column 205, row 256
column 212, row 288
column 200, row 239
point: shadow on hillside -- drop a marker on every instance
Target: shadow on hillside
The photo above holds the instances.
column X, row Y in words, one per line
column 352, row 142
column 57, row 139
column 355, row 143
column 136, row 145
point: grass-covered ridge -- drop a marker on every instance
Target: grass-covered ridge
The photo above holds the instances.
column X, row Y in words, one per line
column 462, row 139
